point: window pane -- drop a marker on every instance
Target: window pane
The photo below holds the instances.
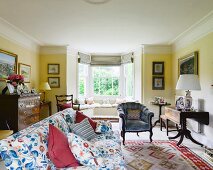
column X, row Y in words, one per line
column 81, row 86
column 96, row 86
column 82, row 75
column 106, row 80
column 115, row 86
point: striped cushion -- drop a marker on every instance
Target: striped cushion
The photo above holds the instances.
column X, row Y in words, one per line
column 83, row 129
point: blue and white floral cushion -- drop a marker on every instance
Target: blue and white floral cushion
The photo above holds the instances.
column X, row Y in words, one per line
column 85, row 152
column 16, row 155
column 69, row 116
column 103, row 127
column 59, row 122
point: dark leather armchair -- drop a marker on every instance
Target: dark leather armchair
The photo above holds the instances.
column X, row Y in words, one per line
column 134, row 117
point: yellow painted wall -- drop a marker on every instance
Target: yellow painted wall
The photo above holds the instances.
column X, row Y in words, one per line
column 25, row 56
column 46, row 59
column 205, row 48
column 148, row 93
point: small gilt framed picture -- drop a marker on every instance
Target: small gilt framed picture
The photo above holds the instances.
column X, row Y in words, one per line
column 54, row 82
column 158, row 68
column 157, row 83
column 53, row 68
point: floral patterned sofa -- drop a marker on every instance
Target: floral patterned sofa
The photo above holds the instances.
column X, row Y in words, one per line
column 28, row 148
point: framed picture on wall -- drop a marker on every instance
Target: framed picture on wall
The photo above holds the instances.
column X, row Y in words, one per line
column 53, row 69
column 188, row 64
column 157, row 83
column 25, row 70
column 158, row 68
column 8, row 64
column 54, row 82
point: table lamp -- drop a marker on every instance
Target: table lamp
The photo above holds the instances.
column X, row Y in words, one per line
column 188, row 82
column 44, row 86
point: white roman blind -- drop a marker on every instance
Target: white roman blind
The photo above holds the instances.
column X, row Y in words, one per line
column 127, row 58
column 84, row 58
column 105, row 60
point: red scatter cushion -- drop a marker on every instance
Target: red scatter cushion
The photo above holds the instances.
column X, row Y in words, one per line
column 58, row 149
column 65, row 106
column 80, row 116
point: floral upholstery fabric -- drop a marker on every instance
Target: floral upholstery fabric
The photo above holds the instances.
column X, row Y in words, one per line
column 103, row 155
column 69, row 116
column 59, row 122
column 113, row 135
column 27, row 149
column 84, row 151
column 37, row 144
column 103, row 127
column 16, row 154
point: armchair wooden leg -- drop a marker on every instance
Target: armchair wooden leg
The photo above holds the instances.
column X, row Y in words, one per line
column 122, row 134
column 151, row 134
column 167, row 127
column 137, row 134
column 161, row 124
column 123, row 138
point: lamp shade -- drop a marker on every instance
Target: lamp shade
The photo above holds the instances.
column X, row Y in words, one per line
column 188, row 82
column 44, row 86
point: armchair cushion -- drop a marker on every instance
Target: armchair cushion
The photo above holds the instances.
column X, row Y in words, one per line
column 133, row 114
column 136, row 125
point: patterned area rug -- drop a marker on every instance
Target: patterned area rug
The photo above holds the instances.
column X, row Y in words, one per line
column 161, row 155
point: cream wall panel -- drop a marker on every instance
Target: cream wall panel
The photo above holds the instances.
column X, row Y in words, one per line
column 26, row 56
column 46, row 59
column 204, row 46
column 148, row 93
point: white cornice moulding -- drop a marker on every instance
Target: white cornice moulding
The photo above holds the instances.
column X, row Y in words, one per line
column 53, row 50
column 194, row 33
column 13, row 34
column 157, row 49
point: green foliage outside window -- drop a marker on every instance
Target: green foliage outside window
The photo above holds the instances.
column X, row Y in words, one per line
column 81, row 87
column 106, row 80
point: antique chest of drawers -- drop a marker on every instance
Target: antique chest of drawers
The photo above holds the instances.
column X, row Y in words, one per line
column 18, row 112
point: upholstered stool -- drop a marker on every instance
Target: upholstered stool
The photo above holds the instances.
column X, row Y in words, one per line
column 5, row 133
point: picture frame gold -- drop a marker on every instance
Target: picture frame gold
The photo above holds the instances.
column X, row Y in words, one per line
column 188, row 64
column 158, row 68
column 54, row 82
column 53, row 68
column 25, row 70
column 158, row 83
column 8, row 64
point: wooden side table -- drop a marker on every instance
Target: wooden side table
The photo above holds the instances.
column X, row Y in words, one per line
column 179, row 117
column 160, row 111
column 5, row 133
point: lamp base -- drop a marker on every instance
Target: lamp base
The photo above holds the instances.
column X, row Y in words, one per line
column 188, row 101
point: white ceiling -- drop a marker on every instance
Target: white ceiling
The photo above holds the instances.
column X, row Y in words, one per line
column 114, row 27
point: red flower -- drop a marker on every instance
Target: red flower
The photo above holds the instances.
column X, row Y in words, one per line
column 86, row 145
column 15, row 79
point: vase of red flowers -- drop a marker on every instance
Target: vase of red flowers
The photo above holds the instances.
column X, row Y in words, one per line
column 15, row 80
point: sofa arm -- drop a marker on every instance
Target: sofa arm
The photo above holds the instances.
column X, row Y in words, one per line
column 146, row 116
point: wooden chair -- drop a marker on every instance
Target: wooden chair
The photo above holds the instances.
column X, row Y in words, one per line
column 66, row 101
